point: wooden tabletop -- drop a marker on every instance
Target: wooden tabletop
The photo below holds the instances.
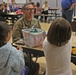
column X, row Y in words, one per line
column 53, row 8
column 12, row 13
column 40, row 47
column 74, row 17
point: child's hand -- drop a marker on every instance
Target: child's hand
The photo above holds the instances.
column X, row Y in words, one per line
column 19, row 48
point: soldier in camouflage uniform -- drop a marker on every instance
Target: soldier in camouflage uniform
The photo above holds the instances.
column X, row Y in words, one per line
column 27, row 21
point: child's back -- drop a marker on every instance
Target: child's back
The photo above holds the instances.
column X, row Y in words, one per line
column 11, row 59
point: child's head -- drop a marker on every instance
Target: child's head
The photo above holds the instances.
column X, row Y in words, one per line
column 38, row 4
column 13, row 1
column 5, row 33
column 46, row 2
column 59, row 32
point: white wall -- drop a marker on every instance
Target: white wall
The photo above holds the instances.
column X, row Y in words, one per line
column 1, row 1
column 17, row 1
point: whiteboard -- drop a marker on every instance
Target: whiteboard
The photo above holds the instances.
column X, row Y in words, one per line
column 17, row 1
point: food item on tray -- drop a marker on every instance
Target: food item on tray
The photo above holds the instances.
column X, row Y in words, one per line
column 74, row 50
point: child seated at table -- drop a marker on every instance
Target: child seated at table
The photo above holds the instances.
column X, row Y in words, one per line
column 11, row 59
column 13, row 6
column 38, row 10
column 2, row 14
column 57, row 48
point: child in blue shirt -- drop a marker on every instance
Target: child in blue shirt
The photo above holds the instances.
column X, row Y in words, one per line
column 11, row 59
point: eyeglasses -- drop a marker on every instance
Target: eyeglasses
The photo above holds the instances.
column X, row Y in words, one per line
column 29, row 9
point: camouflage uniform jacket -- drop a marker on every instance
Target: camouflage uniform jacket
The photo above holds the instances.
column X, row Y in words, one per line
column 23, row 24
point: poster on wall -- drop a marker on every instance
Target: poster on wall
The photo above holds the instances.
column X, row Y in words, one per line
column 17, row 1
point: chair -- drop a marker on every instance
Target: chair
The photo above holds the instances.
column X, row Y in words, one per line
column 73, row 25
column 73, row 58
column 42, row 62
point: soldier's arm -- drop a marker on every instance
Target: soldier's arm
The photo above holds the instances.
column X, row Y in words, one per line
column 16, row 31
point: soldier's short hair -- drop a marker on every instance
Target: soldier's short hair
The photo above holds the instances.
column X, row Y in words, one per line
column 23, row 7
